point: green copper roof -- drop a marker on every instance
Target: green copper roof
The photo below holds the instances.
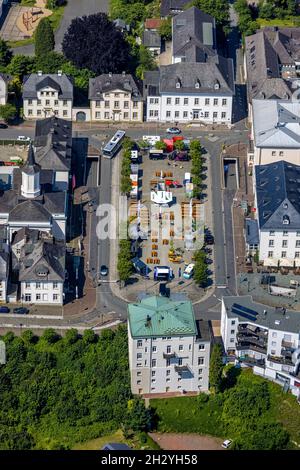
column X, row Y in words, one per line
column 160, row 316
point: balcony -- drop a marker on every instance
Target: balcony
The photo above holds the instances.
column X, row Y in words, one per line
column 181, row 368
column 252, row 340
column 252, row 361
column 280, row 360
column 257, row 332
column 169, row 355
column 287, row 344
column 253, row 347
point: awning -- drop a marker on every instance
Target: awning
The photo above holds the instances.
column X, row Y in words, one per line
column 286, row 263
column 272, row 262
column 297, row 262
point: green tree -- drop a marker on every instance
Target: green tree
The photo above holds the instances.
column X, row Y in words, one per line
column 21, row 65
column 50, row 336
column 263, row 436
column 44, row 38
column 145, row 61
column 8, row 112
column 139, row 418
column 219, row 9
column 165, row 29
column 5, row 53
column 71, row 336
column 179, row 145
column 50, row 62
column 216, row 368
column 200, row 269
column 89, row 336
column 160, row 145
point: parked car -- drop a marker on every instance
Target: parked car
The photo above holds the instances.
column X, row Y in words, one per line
column 21, row 310
column 3, row 125
column 227, row 443
column 23, row 138
column 104, row 270
column 173, row 130
column 4, row 309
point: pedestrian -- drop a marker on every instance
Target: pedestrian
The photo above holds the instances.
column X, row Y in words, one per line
column 179, row 272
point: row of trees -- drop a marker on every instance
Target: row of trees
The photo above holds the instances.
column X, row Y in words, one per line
column 200, row 269
column 197, row 167
column 57, row 391
column 124, row 264
column 125, row 167
column 246, row 18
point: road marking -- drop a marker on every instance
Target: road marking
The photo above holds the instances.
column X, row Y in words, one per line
column 221, row 287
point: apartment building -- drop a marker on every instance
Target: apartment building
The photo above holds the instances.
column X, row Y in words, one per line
column 278, row 213
column 115, row 97
column 169, row 350
column 275, row 132
column 200, row 92
column 263, row 337
column 46, row 95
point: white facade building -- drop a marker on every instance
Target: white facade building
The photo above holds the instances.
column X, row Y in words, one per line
column 4, row 79
column 266, row 338
column 168, row 350
column 199, row 92
column 46, row 95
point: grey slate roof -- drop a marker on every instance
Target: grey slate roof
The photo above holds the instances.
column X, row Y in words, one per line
column 53, row 143
column 276, row 123
column 290, row 321
column 251, row 229
column 5, row 76
column 43, row 257
column 266, row 51
column 171, row 7
column 34, row 82
column 107, row 82
column 194, row 29
column 151, row 39
column 277, row 195
column 209, row 75
column 151, row 83
column 30, row 167
column 31, row 211
column 204, row 332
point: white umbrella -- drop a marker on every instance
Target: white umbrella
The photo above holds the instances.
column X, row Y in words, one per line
column 272, row 262
column 286, row 262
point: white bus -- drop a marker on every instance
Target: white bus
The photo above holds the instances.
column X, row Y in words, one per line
column 112, row 147
column 189, row 271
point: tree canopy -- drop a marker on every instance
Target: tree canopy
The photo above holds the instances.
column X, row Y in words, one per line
column 5, row 53
column 216, row 368
column 93, row 42
column 44, row 38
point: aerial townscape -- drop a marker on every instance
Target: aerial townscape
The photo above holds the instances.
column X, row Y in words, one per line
column 150, row 225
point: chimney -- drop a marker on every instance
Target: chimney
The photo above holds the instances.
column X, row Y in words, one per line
column 123, row 74
column 265, row 312
column 110, row 74
column 59, row 73
column 40, row 73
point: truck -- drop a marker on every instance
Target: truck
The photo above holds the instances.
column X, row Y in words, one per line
column 156, row 154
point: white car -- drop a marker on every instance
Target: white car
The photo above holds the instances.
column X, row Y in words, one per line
column 227, row 443
column 23, row 138
column 173, row 130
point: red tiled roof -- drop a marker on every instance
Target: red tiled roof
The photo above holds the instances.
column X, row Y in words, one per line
column 152, row 23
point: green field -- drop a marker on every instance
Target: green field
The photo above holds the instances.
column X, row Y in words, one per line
column 286, row 22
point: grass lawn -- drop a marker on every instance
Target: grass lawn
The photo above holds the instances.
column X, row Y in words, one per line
column 286, row 22
column 96, row 444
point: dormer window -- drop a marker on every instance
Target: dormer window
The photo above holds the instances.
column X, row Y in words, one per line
column 285, row 220
column 178, row 83
column 217, row 85
column 197, row 84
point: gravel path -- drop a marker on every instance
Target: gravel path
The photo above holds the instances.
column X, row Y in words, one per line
column 170, row 441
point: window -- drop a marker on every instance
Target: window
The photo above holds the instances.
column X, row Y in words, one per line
column 297, row 234
column 168, row 380
column 274, row 343
column 56, row 112
column 38, row 297
column 65, row 102
column 200, row 361
column 126, row 104
column 181, row 347
column 106, row 104
column 215, row 101
column 284, row 243
column 139, row 373
column 190, row 347
column 232, row 332
column 164, row 337
column 134, row 115
column 206, row 114
column 154, row 339
column 154, row 348
column 47, row 93
column 200, row 378
column 274, row 334
column 135, row 104
column 177, row 100
column 201, row 347
column 139, row 343
column 153, row 381
column 139, row 356
column 270, row 254
column 283, row 254
column 153, row 363
column 106, row 115
column 29, row 112
column 125, row 115
column 273, row 153
column 200, row 371
column 168, row 349
column 185, row 114
column 39, row 102
column 116, row 104
column 223, row 115
column 196, row 101
column 168, row 113
column 168, row 372
column 233, row 322
column 156, row 113
column 52, row 93
column 138, row 382
column 206, row 101
column 117, row 95
column 169, row 101
column 106, row 94
column 297, row 243
column 273, row 352
column 186, row 101
column 271, row 242
column 224, row 102
column 55, row 297
column 177, row 114
column 281, row 153
column 285, row 233
column 215, row 114
column 27, row 285
column 153, row 373
column 27, row 297
column 98, row 115
column 180, row 361
column 151, row 113
column 65, row 113
column 272, row 233
column 231, row 340
column 39, row 112
column 37, row 285
column 151, row 101
column 55, row 285
column 179, row 379
column 297, row 254
column 55, row 102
